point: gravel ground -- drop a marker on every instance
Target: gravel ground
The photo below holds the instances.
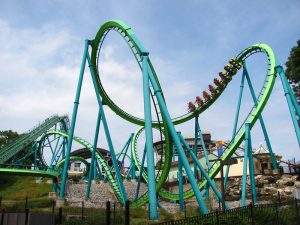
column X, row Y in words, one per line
column 100, row 193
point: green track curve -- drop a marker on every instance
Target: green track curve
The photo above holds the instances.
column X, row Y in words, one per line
column 60, row 164
column 34, row 173
column 137, row 50
column 9, row 150
column 240, row 135
column 110, row 177
column 99, row 158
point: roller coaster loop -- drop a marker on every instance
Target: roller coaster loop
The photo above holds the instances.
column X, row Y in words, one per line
column 172, row 142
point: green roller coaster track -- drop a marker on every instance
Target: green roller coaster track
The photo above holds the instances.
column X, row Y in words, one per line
column 28, row 172
column 161, row 123
column 99, row 158
column 9, row 150
column 137, row 49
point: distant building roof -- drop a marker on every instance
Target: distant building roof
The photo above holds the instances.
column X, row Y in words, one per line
column 261, row 150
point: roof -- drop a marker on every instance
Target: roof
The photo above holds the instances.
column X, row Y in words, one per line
column 261, row 150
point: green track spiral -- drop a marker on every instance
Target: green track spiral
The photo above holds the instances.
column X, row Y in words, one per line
column 137, row 50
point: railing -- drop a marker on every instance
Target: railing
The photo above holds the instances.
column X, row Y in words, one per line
column 275, row 214
column 279, row 213
column 24, row 140
column 80, row 212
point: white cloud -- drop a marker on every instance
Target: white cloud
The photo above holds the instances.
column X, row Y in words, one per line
column 39, row 71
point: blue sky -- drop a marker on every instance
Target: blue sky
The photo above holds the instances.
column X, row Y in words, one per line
column 41, row 45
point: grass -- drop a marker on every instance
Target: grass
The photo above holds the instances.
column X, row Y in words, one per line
column 18, row 187
column 14, row 189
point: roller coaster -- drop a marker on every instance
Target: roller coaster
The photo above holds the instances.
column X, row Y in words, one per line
column 56, row 134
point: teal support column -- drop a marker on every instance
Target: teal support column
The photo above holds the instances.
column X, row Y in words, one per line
column 140, row 175
column 55, row 185
column 149, row 141
column 133, row 170
column 129, row 173
column 203, row 146
column 95, row 170
column 180, row 183
column 35, row 152
column 226, row 176
column 205, row 174
column 244, row 178
column 173, row 153
column 175, row 138
column 263, row 127
column 93, row 160
column 196, row 146
column 235, row 123
column 288, row 94
column 73, row 122
column 65, row 142
column 107, row 134
column 238, row 105
column 125, row 149
column 251, row 164
column 199, row 132
column 293, row 97
column 56, row 154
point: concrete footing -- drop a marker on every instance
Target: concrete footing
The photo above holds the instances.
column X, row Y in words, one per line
column 60, row 202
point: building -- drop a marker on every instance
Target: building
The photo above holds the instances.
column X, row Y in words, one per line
column 261, row 158
column 159, row 147
column 262, row 164
column 76, row 168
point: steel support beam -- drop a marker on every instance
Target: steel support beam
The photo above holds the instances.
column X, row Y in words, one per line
column 288, row 95
column 263, row 127
column 93, row 160
column 180, row 183
column 153, row 214
column 73, row 122
column 175, row 138
column 107, row 133
column 245, row 168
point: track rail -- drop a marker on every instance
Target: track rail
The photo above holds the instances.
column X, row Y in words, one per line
column 137, row 50
column 9, row 150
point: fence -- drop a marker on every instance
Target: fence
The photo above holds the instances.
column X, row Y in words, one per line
column 32, row 212
column 266, row 214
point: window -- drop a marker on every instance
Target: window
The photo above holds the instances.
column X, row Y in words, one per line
column 77, row 165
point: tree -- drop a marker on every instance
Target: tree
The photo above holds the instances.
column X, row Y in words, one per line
column 293, row 69
column 7, row 136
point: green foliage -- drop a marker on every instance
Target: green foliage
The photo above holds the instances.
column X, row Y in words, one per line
column 7, row 136
column 293, row 69
column 18, row 187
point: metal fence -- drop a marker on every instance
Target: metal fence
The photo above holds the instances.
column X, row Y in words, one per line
column 264, row 214
column 30, row 212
